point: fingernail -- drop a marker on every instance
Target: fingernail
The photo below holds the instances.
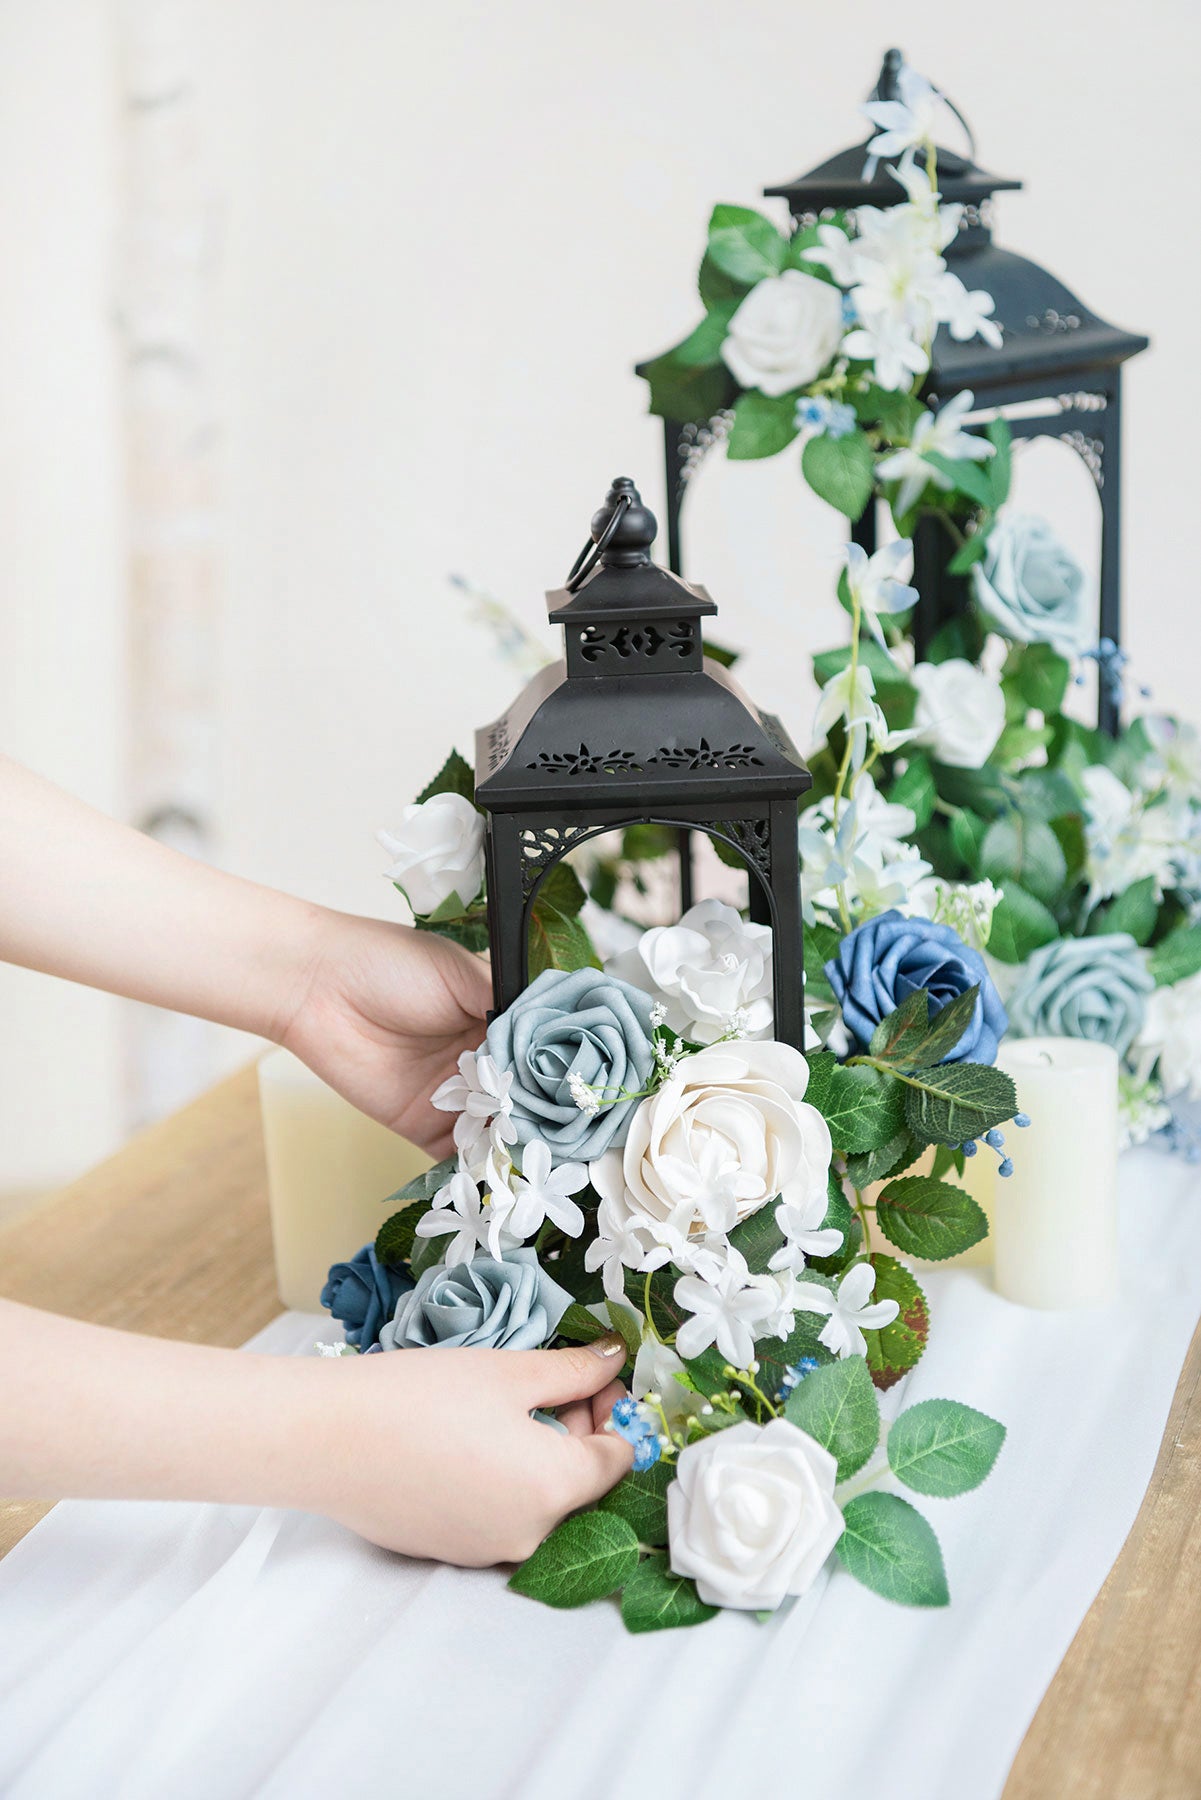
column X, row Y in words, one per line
column 612, row 1344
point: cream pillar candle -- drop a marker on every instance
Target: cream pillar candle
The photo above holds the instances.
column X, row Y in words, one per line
column 1055, row 1224
column 329, row 1170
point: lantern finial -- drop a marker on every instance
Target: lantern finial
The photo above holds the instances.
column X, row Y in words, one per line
column 888, row 86
column 624, row 529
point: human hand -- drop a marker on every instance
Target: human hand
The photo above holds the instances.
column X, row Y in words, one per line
column 433, row 1452
column 383, row 1015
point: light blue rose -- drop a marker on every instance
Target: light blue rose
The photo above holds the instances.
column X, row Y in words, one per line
column 887, row 958
column 492, row 1303
column 1089, row 987
column 574, row 1032
column 1033, row 589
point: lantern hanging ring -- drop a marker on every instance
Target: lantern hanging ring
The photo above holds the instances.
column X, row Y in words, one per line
column 587, row 560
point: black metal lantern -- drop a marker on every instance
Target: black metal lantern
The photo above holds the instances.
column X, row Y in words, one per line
column 637, row 726
column 1060, row 365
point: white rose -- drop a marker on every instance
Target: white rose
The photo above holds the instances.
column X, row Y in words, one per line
column 784, row 333
column 960, row 712
column 1173, row 1028
column 709, row 970
column 438, row 851
column 751, row 1515
column 727, row 1132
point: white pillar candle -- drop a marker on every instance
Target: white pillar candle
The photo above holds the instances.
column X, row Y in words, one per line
column 329, row 1170
column 1055, row 1225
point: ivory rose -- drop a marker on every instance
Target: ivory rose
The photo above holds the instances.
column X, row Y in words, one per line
column 751, row 1515
column 727, row 1132
column 960, row 712
column 784, row 333
column 708, row 970
column 438, row 851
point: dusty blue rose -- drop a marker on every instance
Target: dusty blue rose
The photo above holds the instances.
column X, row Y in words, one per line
column 881, row 962
column 573, row 1024
column 1033, row 588
column 505, row 1303
column 362, row 1294
column 1089, row 987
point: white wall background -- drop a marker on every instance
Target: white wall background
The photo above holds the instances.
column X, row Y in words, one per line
column 448, row 233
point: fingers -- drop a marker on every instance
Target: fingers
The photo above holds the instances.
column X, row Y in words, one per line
column 604, row 1402
column 577, row 1416
column 600, row 1462
column 553, row 1377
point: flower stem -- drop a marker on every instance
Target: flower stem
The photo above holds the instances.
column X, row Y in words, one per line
column 646, row 1307
column 867, row 1478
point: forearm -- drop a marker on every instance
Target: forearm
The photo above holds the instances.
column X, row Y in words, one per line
column 90, row 1413
column 91, row 900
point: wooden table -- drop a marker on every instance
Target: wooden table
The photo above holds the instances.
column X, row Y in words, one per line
column 172, row 1236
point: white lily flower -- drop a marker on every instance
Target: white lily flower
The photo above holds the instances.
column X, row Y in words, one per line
column 968, row 314
column 937, row 433
column 882, row 829
column 464, row 1219
column 890, row 346
column 850, row 1314
column 724, row 1312
column 620, row 1245
column 837, row 252
column 875, row 582
column 905, row 123
column 478, row 1093
column 804, row 1235
column 543, row 1192
column 849, row 696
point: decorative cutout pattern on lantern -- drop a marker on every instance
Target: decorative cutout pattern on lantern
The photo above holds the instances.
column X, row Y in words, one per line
column 637, row 726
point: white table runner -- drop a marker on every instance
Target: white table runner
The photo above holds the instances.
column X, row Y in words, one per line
column 178, row 1652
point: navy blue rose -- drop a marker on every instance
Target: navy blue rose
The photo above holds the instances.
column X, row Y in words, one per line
column 881, row 962
column 362, row 1294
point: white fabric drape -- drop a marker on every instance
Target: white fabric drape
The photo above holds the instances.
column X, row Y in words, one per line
column 177, row 1652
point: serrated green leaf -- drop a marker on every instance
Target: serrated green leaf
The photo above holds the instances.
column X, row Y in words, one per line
column 942, row 1448
column 945, row 1159
column 890, row 1548
column 863, row 1108
column 557, row 941
column 838, row 1408
column 641, row 1500
column 899, row 1346
column 916, row 790
column 1016, row 848
column 655, row 1599
column 583, row 1559
column 427, row 1184
column 456, row 776
column 763, row 425
column 1177, row 956
column 689, row 395
column 471, row 930
column 581, row 1326
column 1020, row 924
column 396, row 1236
column 561, row 888
column 930, row 1218
column 822, row 1064
column 758, row 1237
column 841, row 471
column 958, row 1101
column 891, row 1158
column 745, row 244
column 902, row 1029
column 946, row 1028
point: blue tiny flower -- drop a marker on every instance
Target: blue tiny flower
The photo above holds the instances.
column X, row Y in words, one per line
column 647, row 1452
column 841, row 421
column 1005, row 1168
column 625, row 1412
column 813, row 412
column 637, row 1425
column 850, row 312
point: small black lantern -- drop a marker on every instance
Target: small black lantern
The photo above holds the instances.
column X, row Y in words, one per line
column 637, row 726
column 1059, row 366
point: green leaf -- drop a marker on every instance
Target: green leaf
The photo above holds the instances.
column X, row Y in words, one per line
column 1000, row 466
column 913, row 1041
column 1020, row 924
column 396, row 1236
column 701, row 349
column 558, row 942
column 972, row 550
column 456, row 776
column 774, row 1356
column 966, row 477
column 470, row 930
column 641, row 1500
column 942, row 1448
column 655, row 1599
column 715, row 287
column 1177, row 956
column 891, row 1158
column 428, row 1183
column 562, row 888
column 863, row 1108
column 896, row 413
column 580, row 1326
column 968, row 831
column 946, row 1028
column 899, row 1346
column 962, row 635
column 645, row 842
column 1133, row 912
column 426, row 1251
column 687, row 393
column 822, row 1063
column 837, row 1406
column 930, row 1218
column 1016, row 848
column 916, row 790
column 1043, row 677
column 745, row 244
column 890, row 1548
column 903, row 1029
column 763, row 425
column 945, row 1159
column 879, row 666
column 583, row 1559
column 958, row 1101
column 758, row 1237
column 840, row 470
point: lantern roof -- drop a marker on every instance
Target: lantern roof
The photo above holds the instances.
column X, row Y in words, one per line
column 636, row 717
column 1049, row 334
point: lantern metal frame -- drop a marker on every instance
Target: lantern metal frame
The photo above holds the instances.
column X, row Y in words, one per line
column 638, row 726
column 1058, row 357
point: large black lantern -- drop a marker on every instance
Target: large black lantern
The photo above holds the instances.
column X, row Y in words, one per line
column 637, row 726
column 1057, row 373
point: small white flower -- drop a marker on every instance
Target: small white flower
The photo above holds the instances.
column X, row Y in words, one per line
column 582, row 1094
column 968, row 314
column 1172, row 1029
column 1128, row 837
column 889, row 344
column 849, row 698
column 906, row 123
column 875, row 582
column 967, row 907
column 620, row 1244
column 836, row 251
column 459, row 1214
column 960, row 712
column 934, row 433
column 850, row 1314
column 437, row 851
column 479, row 1093
column 804, row 1235
column 724, row 1311
column 543, row 1192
